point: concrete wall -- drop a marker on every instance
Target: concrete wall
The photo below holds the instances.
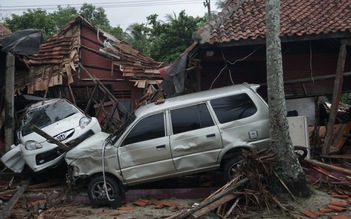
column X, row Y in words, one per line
column 304, row 107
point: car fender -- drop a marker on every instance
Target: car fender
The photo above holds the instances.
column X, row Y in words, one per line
column 233, row 149
column 86, row 158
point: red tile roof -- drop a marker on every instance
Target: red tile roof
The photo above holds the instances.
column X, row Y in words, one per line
column 60, row 53
column 245, row 19
column 4, row 31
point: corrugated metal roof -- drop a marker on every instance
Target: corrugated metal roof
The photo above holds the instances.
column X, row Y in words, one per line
column 245, row 19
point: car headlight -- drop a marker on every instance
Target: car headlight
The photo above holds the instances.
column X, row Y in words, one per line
column 83, row 122
column 32, row 145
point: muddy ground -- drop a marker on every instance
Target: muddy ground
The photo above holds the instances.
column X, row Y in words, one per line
column 59, row 202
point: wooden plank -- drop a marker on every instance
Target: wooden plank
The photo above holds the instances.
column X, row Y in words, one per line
column 213, row 205
column 50, row 138
column 214, row 198
column 7, row 209
column 337, row 156
column 331, row 167
column 336, row 98
column 342, row 135
column 9, row 123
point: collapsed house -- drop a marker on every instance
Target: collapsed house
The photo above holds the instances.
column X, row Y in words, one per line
column 104, row 76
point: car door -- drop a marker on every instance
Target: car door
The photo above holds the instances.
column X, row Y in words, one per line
column 196, row 141
column 240, row 121
column 144, row 153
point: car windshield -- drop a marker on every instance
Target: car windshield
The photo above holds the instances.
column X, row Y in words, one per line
column 117, row 134
column 46, row 115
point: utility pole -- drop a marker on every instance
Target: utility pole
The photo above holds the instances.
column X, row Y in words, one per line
column 208, row 5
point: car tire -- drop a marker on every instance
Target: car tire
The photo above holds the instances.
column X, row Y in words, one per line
column 97, row 193
column 229, row 166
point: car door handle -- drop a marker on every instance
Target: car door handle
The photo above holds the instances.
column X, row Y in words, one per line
column 211, row 135
column 160, row 147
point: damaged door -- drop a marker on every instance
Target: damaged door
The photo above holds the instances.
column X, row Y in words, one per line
column 145, row 151
column 196, row 141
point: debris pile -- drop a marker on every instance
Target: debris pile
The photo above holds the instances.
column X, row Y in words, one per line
column 247, row 193
column 246, row 189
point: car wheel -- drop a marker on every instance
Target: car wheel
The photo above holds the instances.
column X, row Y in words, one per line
column 98, row 193
column 229, row 168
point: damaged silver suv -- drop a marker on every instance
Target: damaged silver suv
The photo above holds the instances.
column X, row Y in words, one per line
column 187, row 134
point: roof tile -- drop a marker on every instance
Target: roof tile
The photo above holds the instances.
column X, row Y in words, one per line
column 4, row 31
column 245, row 19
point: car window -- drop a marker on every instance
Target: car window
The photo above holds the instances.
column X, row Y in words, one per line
column 118, row 133
column 47, row 115
column 148, row 128
column 191, row 118
column 232, row 108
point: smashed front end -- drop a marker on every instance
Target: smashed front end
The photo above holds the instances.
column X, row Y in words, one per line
column 86, row 159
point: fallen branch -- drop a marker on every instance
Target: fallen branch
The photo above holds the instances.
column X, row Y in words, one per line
column 8, row 207
column 214, row 198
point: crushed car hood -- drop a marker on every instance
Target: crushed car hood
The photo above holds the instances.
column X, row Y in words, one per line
column 87, row 147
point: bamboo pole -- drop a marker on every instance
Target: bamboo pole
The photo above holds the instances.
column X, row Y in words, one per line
column 327, row 166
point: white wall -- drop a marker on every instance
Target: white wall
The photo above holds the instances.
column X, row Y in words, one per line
column 304, row 107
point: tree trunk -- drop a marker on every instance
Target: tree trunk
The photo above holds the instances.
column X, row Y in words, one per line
column 288, row 167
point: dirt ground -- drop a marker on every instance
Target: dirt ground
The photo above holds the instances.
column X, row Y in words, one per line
column 55, row 200
column 61, row 209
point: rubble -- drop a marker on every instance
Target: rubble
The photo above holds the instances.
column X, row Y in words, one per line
column 242, row 197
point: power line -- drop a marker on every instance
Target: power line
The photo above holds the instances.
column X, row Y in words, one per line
column 139, row 3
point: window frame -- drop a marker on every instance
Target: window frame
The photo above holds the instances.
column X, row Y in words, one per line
column 205, row 104
column 122, row 144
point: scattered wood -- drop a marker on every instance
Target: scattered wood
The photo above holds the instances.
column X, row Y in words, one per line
column 7, row 209
column 213, row 205
column 49, row 184
column 213, row 198
column 249, row 172
column 328, row 166
column 326, row 173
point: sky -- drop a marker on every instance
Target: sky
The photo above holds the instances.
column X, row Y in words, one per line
column 119, row 12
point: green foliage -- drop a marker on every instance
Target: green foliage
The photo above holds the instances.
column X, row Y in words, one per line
column 346, row 98
column 164, row 41
column 63, row 16
column 52, row 23
column 170, row 39
column 36, row 19
column 138, row 37
column 115, row 31
column 95, row 15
